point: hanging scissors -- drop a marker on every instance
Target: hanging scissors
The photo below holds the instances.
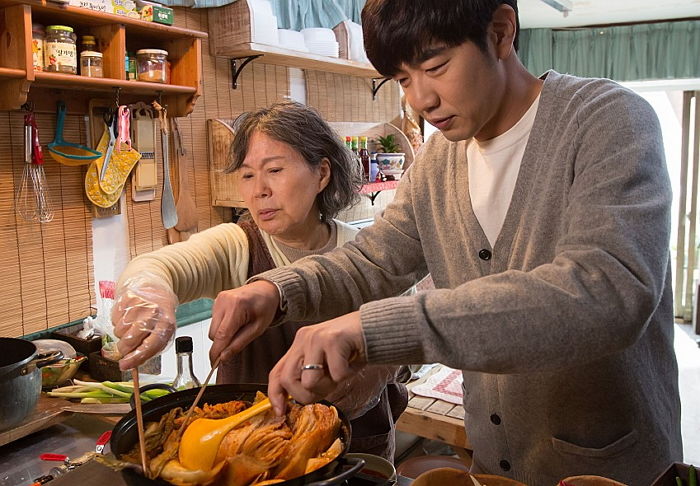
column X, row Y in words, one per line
column 110, row 120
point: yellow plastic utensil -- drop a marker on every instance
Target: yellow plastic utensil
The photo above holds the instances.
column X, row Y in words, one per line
column 202, row 438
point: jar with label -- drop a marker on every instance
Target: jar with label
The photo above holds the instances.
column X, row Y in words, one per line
column 88, row 43
column 91, row 64
column 60, row 54
column 130, row 66
column 38, row 35
column 151, row 65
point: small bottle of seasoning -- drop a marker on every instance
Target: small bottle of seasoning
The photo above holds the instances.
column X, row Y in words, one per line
column 91, row 64
column 131, row 66
column 185, row 375
column 60, row 54
column 38, row 35
column 88, row 43
column 151, row 65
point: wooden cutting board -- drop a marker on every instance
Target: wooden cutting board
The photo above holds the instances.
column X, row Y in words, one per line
column 50, row 411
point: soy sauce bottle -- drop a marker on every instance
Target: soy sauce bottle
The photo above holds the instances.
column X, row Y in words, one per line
column 185, row 376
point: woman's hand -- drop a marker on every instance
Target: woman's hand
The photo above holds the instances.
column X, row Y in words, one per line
column 241, row 315
column 337, row 345
column 143, row 317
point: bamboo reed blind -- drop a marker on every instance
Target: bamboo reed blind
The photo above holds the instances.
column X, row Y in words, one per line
column 47, row 269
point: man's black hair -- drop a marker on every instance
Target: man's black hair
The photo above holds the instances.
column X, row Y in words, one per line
column 398, row 31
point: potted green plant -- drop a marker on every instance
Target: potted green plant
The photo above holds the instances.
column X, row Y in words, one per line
column 390, row 159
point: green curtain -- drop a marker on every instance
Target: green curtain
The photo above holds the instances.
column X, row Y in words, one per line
column 664, row 50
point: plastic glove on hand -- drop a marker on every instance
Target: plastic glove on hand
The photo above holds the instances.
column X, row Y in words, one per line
column 143, row 317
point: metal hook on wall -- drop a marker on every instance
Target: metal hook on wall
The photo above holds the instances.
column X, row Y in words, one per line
column 117, row 90
column 28, row 106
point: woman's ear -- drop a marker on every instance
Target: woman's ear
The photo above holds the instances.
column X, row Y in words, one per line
column 503, row 29
column 324, row 172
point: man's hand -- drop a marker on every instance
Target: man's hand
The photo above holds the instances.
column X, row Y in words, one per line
column 241, row 315
column 337, row 345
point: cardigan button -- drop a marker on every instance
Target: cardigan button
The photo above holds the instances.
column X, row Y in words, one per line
column 485, row 254
column 495, row 419
column 505, row 465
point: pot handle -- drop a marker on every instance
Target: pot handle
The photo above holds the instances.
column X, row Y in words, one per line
column 152, row 386
column 358, row 464
column 46, row 359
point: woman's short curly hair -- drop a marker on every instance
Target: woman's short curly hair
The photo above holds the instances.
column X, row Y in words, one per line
column 302, row 128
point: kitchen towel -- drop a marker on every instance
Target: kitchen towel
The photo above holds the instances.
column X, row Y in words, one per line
column 445, row 384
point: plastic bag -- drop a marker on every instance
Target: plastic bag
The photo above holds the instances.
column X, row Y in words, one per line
column 360, row 393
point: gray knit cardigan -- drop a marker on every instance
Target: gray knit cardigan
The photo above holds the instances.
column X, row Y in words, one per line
column 564, row 328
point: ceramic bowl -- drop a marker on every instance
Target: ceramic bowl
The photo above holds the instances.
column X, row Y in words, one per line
column 59, row 373
column 454, row 477
column 375, row 466
column 390, row 161
column 590, row 481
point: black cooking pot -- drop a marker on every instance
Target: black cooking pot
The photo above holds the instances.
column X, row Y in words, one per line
column 20, row 379
column 125, row 434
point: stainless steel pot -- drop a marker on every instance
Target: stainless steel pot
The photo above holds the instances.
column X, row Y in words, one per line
column 20, row 379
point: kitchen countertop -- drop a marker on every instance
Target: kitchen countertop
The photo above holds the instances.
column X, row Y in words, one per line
column 75, row 436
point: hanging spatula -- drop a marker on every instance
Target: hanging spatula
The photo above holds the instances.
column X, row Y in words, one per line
column 168, row 213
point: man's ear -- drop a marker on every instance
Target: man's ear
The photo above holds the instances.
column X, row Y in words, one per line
column 502, row 30
column 324, row 171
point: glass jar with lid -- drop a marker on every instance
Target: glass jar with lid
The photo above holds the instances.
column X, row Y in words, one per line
column 60, row 54
column 38, row 36
column 151, row 65
column 91, row 64
column 88, row 43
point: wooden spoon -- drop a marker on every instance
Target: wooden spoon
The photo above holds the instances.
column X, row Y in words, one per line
column 185, row 206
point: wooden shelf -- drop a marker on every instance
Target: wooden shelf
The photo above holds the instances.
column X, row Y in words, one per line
column 302, row 60
column 84, row 16
column 10, row 73
column 74, row 81
column 116, row 34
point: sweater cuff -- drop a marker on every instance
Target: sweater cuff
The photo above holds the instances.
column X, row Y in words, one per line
column 391, row 331
column 292, row 291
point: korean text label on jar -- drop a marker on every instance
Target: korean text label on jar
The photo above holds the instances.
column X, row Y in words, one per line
column 151, row 65
column 38, row 36
column 91, row 64
column 60, row 52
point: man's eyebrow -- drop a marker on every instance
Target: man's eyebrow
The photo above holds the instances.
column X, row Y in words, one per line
column 430, row 52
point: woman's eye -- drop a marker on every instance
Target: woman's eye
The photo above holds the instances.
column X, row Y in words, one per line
column 246, row 176
column 276, row 169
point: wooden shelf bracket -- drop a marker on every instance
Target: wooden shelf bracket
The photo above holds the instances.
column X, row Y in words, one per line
column 236, row 70
column 375, row 86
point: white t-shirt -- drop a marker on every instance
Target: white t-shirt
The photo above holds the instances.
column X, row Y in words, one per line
column 493, row 170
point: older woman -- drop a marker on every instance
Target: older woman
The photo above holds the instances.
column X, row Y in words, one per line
column 295, row 176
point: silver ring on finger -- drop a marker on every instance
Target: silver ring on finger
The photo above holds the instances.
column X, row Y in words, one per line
column 313, row 366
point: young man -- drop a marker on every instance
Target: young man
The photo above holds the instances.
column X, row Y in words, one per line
column 542, row 212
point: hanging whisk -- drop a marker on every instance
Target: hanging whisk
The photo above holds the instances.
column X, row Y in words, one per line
column 33, row 200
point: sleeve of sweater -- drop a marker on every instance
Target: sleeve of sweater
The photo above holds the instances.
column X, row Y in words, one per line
column 207, row 263
column 384, row 259
column 604, row 282
column 606, row 276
